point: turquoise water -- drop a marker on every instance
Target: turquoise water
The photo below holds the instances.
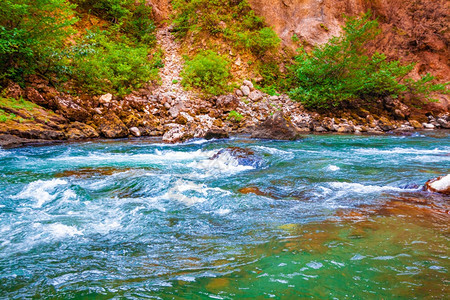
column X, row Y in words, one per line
column 325, row 217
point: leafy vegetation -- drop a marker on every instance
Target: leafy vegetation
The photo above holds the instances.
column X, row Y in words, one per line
column 32, row 33
column 233, row 21
column 43, row 37
column 207, row 71
column 235, row 116
column 100, row 64
column 342, row 71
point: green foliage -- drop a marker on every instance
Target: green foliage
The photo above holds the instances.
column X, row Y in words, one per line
column 101, row 64
column 233, row 21
column 31, row 36
column 133, row 18
column 235, row 116
column 18, row 104
column 5, row 117
column 35, row 34
column 341, row 70
column 207, row 71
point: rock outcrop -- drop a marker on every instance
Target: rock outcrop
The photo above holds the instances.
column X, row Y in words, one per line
column 439, row 185
column 276, row 127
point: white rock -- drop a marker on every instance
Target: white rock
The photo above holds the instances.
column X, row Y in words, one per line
column 249, row 84
column 106, row 98
column 135, row 131
column 439, row 185
column 428, row 126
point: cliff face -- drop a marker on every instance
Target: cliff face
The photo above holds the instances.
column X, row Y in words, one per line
column 414, row 30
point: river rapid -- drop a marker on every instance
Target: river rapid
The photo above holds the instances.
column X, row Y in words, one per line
column 328, row 216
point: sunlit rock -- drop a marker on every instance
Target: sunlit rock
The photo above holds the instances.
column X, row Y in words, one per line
column 439, row 185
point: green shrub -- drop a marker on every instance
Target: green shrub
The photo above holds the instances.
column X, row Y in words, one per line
column 101, row 64
column 32, row 33
column 342, row 71
column 207, row 71
column 240, row 24
column 235, row 116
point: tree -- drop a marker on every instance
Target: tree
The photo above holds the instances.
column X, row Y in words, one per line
column 32, row 33
column 342, row 70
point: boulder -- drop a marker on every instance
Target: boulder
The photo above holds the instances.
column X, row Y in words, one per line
column 70, row 109
column 439, row 185
column 176, row 135
column 255, row 95
column 243, row 156
column 110, row 126
column 245, row 90
column 346, row 128
column 249, row 84
column 34, row 96
column 415, row 124
column 105, row 99
column 385, row 124
column 135, row 131
column 276, row 127
column 227, row 102
column 79, row 130
column 216, row 133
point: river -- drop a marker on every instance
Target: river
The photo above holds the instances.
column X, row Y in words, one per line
column 328, row 216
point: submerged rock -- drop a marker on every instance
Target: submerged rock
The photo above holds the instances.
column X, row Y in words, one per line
column 276, row 127
column 439, row 185
column 244, row 157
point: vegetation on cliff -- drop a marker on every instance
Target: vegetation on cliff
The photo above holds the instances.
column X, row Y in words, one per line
column 78, row 45
column 342, row 70
column 232, row 29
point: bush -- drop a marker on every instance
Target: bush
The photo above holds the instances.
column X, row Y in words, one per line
column 101, row 64
column 231, row 20
column 32, row 33
column 342, row 71
column 235, row 116
column 207, row 71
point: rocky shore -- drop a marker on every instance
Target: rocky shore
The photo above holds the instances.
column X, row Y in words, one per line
column 166, row 110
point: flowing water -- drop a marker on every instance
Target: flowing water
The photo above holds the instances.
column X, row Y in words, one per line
column 324, row 217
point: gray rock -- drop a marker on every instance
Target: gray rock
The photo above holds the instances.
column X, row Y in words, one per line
column 245, row 90
column 276, row 127
column 255, row 95
column 249, row 84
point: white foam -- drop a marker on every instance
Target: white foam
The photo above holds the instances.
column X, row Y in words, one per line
column 365, row 189
column 275, row 151
column 157, row 156
column 106, row 226
column 224, row 164
column 332, row 168
column 58, row 230
column 397, row 150
column 223, row 211
column 40, row 191
column 182, row 186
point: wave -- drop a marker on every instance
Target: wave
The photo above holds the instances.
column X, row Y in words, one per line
column 367, row 189
column 223, row 164
column 397, row 150
column 40, row 191
column 157, row 156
